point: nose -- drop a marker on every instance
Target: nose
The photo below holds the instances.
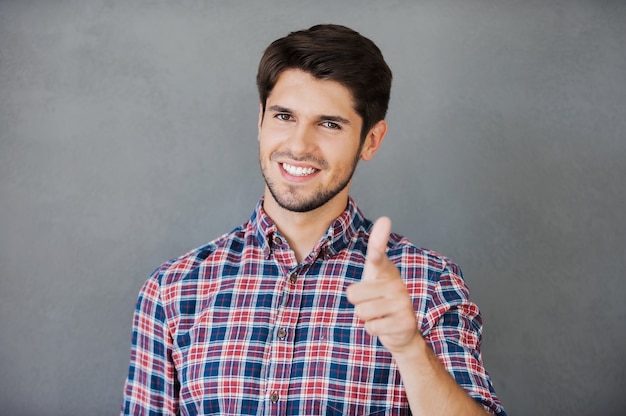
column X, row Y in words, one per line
column 302, row 139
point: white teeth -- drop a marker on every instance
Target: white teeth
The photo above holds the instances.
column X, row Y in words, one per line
column 297, row 170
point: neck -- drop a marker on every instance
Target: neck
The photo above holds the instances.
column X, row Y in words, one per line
column 304, row 229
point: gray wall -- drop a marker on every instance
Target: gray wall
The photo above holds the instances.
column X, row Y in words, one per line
column 128, row 136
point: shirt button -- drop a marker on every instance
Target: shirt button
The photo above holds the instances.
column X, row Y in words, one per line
column 282, row 333
column 278, row 241
column 274, row 397
column 293, row 277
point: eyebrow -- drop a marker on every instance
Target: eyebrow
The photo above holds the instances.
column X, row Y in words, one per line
column 336, row 119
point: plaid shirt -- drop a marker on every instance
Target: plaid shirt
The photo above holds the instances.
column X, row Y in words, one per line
column 239, row 327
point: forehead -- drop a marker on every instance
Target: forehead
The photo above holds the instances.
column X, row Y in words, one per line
column 300, row 90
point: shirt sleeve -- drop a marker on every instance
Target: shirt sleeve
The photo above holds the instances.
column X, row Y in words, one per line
column 453, row 328
column 151, row 387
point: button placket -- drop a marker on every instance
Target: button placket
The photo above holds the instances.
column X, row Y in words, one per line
column 282, row 349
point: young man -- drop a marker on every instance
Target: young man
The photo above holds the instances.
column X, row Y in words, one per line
column 308, row 308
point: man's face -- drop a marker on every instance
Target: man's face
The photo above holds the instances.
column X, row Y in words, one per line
column 309, row 142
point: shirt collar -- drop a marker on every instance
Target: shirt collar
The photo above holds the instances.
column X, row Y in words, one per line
column 335, row 239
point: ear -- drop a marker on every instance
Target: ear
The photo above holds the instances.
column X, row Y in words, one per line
column 260, row 121
column 373, row 140
column 260, row 115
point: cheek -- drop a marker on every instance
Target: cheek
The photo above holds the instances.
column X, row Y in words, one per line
column 343, row 157
column 267, row 145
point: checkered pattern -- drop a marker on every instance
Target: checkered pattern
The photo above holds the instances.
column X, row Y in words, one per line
column 238, row 327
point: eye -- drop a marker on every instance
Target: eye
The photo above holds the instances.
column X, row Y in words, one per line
column 283, row 116
column 331, row 125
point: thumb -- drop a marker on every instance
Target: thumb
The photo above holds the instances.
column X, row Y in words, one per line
column 376, row 247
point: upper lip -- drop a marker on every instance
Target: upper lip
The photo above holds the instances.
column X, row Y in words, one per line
column 305, row 162
column 298, row 164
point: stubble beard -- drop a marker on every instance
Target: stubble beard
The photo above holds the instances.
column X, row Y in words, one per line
column 292, row 200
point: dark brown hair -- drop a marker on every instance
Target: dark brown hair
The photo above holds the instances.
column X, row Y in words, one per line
column 335, row 53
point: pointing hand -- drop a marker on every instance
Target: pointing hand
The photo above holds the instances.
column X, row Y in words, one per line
column 381, row 299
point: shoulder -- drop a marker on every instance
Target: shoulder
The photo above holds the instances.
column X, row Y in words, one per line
column 424, row 268
column 407, row 255
column 439, row 269
column 404, row 253
column 197, row 262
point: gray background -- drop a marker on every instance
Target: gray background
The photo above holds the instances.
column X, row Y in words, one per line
column 128, row 136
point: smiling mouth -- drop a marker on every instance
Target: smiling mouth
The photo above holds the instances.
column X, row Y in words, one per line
column 298, row 170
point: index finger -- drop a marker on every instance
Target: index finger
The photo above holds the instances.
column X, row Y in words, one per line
column 379, row 236
column 377, row 244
